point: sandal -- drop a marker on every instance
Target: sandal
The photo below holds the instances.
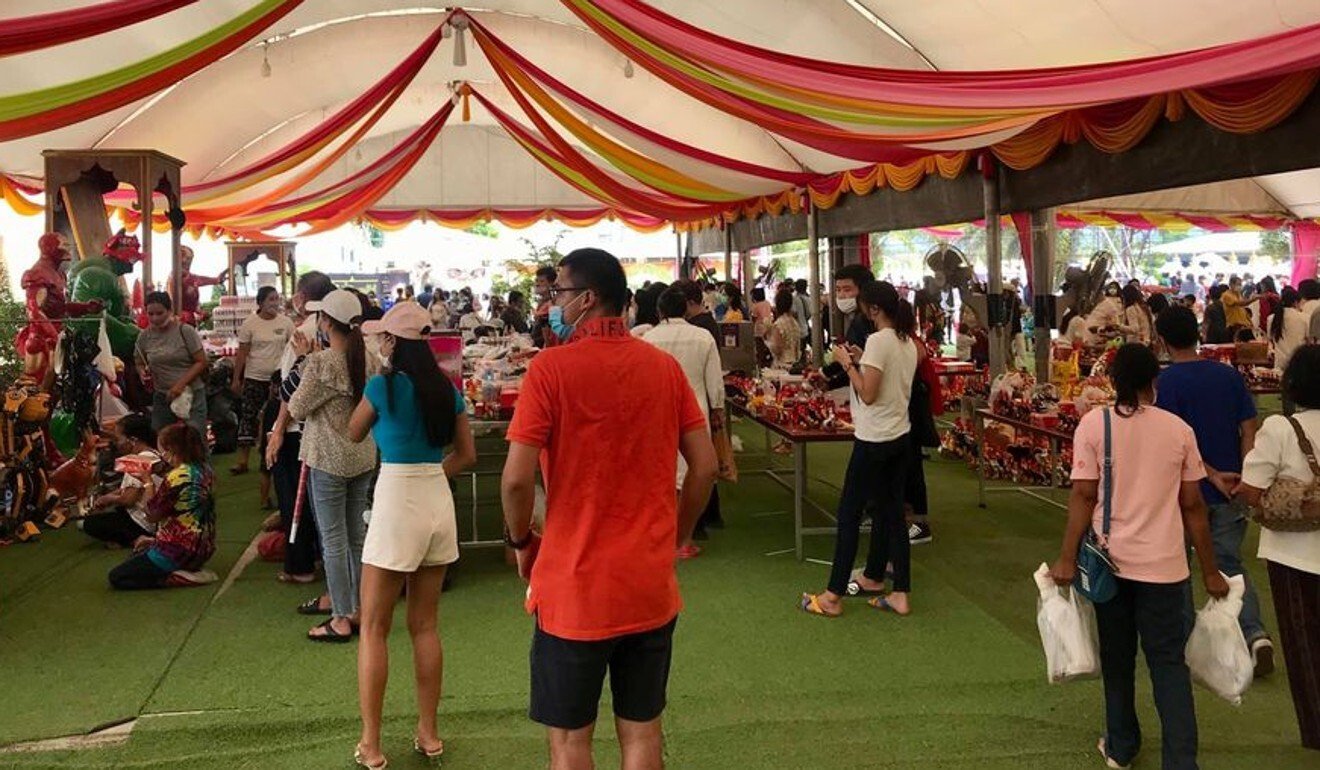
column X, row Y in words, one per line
column 357, row 757
column 882, row 603
column 330, row 635
column 313, row 607
column 811, row 605
column 288, row 577
column 428, row 753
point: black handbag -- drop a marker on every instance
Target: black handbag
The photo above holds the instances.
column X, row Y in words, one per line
column 1096, row 572
column 924, row 432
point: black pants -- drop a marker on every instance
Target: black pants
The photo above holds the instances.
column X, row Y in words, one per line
column 915, row 492
column 300, row 555
column 1159, row 614
column 1297, row 603
column 114, row 526
column 137, row 572
column 875, row 480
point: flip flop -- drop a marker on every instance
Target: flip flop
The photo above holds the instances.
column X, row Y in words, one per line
column 810, row 604
column 882, row 603
column 286, row 577
column 331, row 636
column 313, row 607
column 357, row 758
column 428, row 753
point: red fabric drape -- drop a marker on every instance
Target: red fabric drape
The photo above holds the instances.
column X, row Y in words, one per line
column 32, row 33
column 864, row 250
column 1306, row 250
column 1022, row 222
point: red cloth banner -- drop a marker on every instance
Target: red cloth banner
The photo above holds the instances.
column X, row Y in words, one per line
column 1022, row 223
column 1306, row 250
column 32, row 33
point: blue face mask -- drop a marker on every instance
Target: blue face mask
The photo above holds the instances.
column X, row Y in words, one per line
column 561, row 328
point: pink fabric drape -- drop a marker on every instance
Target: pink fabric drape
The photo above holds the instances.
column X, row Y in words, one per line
column 1306, row 250
column 1289, row 51
column 32, row 33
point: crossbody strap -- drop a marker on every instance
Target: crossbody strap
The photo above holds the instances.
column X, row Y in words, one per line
column 1108, row 480
column 1307, row 449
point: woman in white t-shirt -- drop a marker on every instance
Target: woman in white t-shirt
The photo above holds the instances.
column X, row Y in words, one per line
column 261, row 341
column 1293, row 557
column 880, row 387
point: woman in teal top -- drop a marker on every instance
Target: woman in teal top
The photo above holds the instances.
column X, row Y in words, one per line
column 413, row 412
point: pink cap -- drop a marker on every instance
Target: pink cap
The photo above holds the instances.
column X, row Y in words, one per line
column 406, row 320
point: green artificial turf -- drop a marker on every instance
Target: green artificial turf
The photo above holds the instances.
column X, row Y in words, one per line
column 755, row 684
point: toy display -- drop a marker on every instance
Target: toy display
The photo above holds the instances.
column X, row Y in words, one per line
column 45, row 286
column 99, row 282
column 493, row 372
column 794, row 402
column 25, row 497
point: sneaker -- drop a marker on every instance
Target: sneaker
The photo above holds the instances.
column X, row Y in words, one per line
column 1110, row 762
column 1262, row 652
column 181, row 578
column 919, row 533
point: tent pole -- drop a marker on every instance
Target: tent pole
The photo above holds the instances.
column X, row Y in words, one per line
column 728, row 252
column 994, row 264
column 1042, row 277
column 748, row 279
column 813, row 280
column 678, row 255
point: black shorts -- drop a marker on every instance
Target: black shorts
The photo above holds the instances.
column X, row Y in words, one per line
column 567, row 676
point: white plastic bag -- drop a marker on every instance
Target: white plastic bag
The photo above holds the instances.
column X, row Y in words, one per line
column 105, row 359
column 182, row 406
column 1217, row 652
column 1067, row 631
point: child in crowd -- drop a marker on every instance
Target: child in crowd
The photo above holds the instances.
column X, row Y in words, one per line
column 182, row 507
column 121, row 516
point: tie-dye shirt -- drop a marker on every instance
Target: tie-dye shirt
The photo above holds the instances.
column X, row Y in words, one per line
column 185, row 507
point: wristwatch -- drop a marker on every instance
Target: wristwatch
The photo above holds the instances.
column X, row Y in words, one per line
column 518, row 545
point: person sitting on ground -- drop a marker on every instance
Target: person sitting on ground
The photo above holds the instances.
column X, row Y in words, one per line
column 121, row 517
column 182, row 507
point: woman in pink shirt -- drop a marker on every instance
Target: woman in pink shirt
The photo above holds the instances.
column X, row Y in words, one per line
column 1157, row 504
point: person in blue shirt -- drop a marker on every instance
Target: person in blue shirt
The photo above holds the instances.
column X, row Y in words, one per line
column 1213, row 399
column 414, row 413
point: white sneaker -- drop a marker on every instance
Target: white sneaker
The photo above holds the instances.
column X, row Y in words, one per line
column 1262, row 653
column 919, row 534
column 1110, row 762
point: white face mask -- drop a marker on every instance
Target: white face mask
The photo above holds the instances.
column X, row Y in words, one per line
column 846, row 304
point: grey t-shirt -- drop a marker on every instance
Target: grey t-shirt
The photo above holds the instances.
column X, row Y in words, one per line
column 169, row 354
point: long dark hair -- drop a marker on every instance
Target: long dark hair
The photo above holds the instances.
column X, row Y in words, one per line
column 1135, row 368
column 646, row 300
column 356, row 355
column 1289, row 298
column 435, row 393
column 882, row 296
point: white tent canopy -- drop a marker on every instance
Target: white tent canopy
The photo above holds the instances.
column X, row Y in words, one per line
column 327, row 52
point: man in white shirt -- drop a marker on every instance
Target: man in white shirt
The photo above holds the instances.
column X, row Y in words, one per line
column 1310, row 291
column 694, row 349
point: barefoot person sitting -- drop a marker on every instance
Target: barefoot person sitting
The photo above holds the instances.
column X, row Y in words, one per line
column 182, row 507
column 120, row 517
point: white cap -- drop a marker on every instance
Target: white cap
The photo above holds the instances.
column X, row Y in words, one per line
column 340, row 304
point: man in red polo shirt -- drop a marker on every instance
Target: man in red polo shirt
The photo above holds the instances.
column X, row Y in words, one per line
column 606, row 416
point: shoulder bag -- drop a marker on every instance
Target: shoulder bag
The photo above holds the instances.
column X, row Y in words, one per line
column 1096, row 572
column 1290, row 505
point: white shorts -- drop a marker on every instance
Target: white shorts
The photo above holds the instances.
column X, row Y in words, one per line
column 412, row 519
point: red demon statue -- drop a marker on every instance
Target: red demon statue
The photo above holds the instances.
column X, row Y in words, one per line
column 45, row 286
column 190, row 305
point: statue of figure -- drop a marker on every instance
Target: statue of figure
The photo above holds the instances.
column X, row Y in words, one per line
column 101, row 279
column 954, row 273
column 190, row 306
column 45, row 285
column 1082, row 288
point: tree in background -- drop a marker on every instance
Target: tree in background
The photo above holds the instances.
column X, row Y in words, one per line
column 520, row 275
